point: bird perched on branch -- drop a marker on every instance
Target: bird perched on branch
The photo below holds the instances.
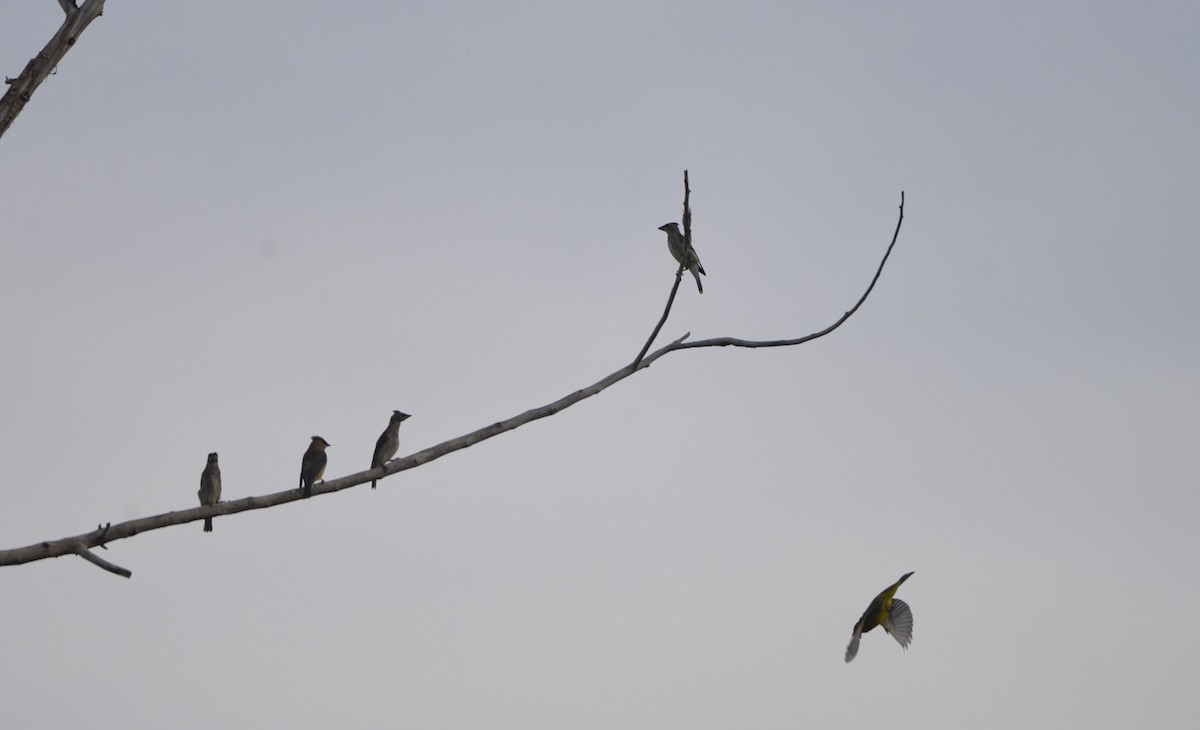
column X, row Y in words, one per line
column 312, row 467
column 887, row 611
column 677, row 243
column 388, row 443
column 210, row 487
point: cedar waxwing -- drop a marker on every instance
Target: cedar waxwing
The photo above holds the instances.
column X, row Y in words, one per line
column 388, row 443
column 676, row 244
column 890, row 613
column 210, row 487
column 312, row 467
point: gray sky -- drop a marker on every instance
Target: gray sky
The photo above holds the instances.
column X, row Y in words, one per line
column 230, row 226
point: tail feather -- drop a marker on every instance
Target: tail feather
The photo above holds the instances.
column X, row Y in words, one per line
column 852, row 649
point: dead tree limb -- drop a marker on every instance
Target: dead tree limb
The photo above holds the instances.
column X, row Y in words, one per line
column 735, row 342
column 20, row 89
column 687, row 237
column 81, row 544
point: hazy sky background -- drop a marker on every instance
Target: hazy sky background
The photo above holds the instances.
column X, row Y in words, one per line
column 230, row 226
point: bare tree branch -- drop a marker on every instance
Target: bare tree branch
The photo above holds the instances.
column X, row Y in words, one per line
column 80, row 544
column 662, row 320
column 687, row 214
column 687, row 237
column 95, row 559
column 735, row 342
column 20, row 89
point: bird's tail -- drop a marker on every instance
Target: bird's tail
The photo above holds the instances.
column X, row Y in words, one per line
column 307, row 490
column 208, row 524
column 372, row 484
column 852, row 649
column 698, row 284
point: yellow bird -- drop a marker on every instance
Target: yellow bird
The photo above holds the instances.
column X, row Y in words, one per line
column 886, row 611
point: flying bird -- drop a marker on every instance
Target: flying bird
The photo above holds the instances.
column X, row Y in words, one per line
column 210, row 487
column 388, row 443
column 676, row 243
column 312, row 467
column 887, row 611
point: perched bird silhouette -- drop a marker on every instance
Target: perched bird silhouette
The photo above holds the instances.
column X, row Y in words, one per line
column 887, row 611
column 312, row 467
column 210, row 487
column 388, row 443
column 676, row 243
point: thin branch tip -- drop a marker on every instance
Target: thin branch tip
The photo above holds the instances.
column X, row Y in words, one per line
column 736, row 342
column 687, row 237
column 95, row 559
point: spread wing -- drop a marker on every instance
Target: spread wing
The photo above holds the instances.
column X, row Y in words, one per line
column 899, row 622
